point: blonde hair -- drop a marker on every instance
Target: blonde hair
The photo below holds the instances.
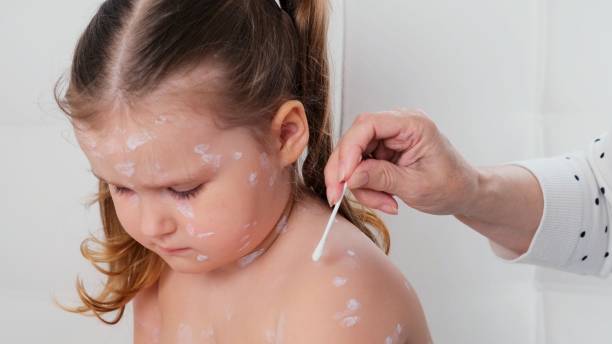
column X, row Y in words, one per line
column 268, row 55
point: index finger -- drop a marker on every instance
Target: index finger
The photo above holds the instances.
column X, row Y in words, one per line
column 367, row 128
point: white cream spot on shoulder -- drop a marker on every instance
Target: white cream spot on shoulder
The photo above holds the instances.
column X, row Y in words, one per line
column 237, row 155
column 353, row 305
column 398, row 328
column 250, row 258
column 339, row 281
column 201, row 258
column 351, row 253
column 184, row 334
column 228, row 313
column 350, row 321
column 137, row 140
column 388, row 340
column 155, row 335
column 207, row 333
column 270, row 337
column 253, row 178
column 126, row 168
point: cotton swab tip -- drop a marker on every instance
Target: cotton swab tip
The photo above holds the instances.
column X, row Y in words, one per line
column 318, row 251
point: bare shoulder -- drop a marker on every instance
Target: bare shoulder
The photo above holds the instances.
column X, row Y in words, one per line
column 354, row 294
column 147, row 316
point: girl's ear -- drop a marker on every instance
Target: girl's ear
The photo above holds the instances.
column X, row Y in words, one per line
column 290, row 131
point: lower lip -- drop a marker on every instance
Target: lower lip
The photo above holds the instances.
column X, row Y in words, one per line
column 174, row 252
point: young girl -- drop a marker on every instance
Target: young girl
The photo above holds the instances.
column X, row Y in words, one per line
column 193, row 115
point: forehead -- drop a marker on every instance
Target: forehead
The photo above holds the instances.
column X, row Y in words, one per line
column 151, row 143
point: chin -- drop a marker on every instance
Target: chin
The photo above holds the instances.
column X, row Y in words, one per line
column 187, row 265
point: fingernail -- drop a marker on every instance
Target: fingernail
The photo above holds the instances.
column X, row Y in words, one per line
column 329, row 198
column 341, row 174
column 358, row 180
column 387, row 208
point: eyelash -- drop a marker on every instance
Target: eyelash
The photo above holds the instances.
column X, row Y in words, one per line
column 182, row 195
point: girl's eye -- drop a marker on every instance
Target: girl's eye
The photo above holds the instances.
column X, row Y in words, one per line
column 178, row 194
column 187, row 194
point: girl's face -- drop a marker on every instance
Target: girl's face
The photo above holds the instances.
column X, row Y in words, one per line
column 198, row 196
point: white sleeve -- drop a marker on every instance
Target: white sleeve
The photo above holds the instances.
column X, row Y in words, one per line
column 573, row 234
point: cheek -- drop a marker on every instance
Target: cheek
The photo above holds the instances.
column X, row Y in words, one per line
column 233, row 216
column 126, row 208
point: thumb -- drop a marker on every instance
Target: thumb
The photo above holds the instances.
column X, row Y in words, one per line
column 378, row 175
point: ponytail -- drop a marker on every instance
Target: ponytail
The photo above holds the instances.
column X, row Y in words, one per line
column 312, row 86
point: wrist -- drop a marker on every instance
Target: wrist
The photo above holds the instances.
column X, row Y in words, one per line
column 478, row 194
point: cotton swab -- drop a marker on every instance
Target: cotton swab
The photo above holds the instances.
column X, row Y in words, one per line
column 318, row 252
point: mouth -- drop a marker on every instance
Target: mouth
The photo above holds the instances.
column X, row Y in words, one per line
column 173, row 251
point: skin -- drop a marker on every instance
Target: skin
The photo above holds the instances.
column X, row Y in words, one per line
column 409, row 158
column 218, row 300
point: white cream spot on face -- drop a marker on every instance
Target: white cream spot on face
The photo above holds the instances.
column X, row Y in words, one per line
column 191, row 230
column 272, row 179
column 244, row 246
column 134, row 199
column 201, row 258
column 281, row 226
column 185, row 209
column 388, row 340
column 126, row 168
column 398, row 328
column 184, row 334
column 339, row 281
column 161, row 119
column 137, row 140
column 237, row 155
column 350, row 321
column 207, row 158
column 253, row 178
column 205, row 235
column 351, row 253
column 250, row 258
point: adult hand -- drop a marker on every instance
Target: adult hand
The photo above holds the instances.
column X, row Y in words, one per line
column 400, row 153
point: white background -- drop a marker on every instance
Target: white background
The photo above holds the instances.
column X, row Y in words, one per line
column 504, row 80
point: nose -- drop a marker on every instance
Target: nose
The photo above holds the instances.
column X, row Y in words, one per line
column 155, row 221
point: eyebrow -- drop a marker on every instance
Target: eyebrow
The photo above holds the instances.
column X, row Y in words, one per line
column 175, row 182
